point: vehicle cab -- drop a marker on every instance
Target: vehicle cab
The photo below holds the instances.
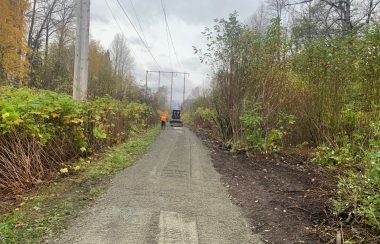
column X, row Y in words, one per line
column 175, row 119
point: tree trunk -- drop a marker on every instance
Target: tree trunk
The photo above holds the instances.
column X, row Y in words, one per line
column 369, row 12
column 47, row 40
column 32, row 24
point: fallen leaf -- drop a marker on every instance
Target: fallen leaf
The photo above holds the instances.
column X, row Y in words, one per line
column 20, row 225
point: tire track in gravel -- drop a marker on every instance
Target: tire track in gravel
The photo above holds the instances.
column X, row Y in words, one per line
column 171, row 195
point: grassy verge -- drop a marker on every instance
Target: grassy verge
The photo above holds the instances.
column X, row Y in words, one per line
column 48, row 211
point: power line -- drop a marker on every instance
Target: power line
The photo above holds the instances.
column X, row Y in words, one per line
column 138, row 20
column 171, row 83
column 141, row 39
column 168, row 29
column 118, row 24
column 167, row 39
column 168, row 42
column 169, row 32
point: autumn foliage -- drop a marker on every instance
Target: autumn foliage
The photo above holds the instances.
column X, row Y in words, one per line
column 41, row 131
column 13, row 48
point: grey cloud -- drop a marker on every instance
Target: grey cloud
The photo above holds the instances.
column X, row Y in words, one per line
column 97, row 14
column 197, row 11
column 99, row 18
column 187, row 18
column 135, row 41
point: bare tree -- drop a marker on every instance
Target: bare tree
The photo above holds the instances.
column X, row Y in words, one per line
column 278, row 7
column 259, row 21
column 40, row 18
column 50, row 26
column 121, row 56
column 64, row 23
column 32, row 22
column 335, row 17
column 122, row 60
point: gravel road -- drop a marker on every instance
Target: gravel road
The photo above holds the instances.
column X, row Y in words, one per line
column 171, row 195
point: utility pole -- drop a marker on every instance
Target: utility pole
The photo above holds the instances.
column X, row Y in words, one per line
column 81, row 50
column 171, row 94
column 184, row 88
column 171, row 85
column 159, row 79
column 146, row 84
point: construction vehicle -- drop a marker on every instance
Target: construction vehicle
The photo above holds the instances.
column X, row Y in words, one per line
column 175, row 119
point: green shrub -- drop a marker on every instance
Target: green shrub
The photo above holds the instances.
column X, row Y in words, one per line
column 40, row 130
column 361, row 189
column 251, row 122
column 204, row 117
column 333, row 156
column 187, row 118
column 274, row 139
column 348, row 151
column 255, row 136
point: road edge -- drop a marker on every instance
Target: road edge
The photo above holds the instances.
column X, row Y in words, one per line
column 47, row 212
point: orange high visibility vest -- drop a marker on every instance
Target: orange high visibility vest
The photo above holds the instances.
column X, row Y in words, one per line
column 163, row 117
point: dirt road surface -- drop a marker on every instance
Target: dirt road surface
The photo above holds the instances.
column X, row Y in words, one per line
column 171, row 195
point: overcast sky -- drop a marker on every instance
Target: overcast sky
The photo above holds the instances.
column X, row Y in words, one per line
column 186, row 18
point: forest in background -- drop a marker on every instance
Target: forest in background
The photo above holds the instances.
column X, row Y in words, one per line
column 302, row 75
column 37, row 50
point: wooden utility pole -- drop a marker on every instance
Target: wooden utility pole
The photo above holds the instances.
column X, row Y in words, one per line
column 159, row 79
column 184, row 88
column 81, row 49
column 171, row 94
column 146, row 84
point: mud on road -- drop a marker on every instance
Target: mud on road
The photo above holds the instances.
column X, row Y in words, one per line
column 283, row 197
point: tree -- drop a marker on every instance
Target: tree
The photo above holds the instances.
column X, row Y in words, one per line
column 225, row 53
column 278, row 6
column 330, row 18
column 56, row 71
column 121, row 56
column 13, row 65
column 45, row 20
column 122, row 61
column 259, row 21
column 100, row 73
column 323, row 69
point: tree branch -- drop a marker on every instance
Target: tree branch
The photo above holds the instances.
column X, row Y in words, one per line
column 291, row 4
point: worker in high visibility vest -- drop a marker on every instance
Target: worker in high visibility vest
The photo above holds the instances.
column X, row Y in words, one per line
column 164, row 118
